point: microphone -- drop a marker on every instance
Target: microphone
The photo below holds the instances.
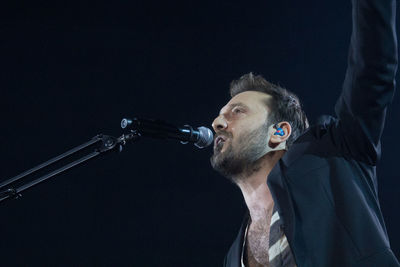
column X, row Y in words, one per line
column 201, row 137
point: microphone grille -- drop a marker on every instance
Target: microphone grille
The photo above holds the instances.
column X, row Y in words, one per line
column 206, row 137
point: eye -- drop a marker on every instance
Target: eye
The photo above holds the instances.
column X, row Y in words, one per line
column 237, row 110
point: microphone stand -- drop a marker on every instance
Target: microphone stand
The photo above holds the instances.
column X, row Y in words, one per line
column 102, row 144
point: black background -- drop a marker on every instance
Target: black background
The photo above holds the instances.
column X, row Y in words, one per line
column 72, row 70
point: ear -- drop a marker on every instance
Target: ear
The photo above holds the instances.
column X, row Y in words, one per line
column 277, row 140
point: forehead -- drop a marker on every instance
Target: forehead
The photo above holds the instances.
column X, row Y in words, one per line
column 255, row 101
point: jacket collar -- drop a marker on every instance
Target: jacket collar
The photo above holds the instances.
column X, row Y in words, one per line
column 297, row 149
column 280, row 188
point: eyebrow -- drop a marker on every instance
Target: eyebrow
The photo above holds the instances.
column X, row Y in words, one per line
column 239, row 104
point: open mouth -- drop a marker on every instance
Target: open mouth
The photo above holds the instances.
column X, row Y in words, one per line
column 219, row 141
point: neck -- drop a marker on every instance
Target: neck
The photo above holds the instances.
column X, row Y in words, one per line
column 255, row 189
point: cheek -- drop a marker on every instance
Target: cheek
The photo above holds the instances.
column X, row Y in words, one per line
column 247, row 124
column 238, row 139
column 238, row 129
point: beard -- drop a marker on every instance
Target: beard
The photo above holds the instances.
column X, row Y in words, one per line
column 243, row 159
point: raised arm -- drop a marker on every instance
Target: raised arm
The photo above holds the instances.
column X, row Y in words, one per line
column 370, row 78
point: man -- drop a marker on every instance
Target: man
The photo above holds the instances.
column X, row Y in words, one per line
column 311, row 192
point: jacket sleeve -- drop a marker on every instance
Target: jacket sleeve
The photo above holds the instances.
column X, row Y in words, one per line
column 370, row 79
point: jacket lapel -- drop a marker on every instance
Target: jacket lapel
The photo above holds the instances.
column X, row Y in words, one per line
column 278, row 184
column 233, row 258
column 278, row 187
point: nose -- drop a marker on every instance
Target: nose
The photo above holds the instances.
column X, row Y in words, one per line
column 219, row 123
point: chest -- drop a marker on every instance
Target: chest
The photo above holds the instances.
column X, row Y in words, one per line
column 265, row 244
column 257, row 244
column 258, row 240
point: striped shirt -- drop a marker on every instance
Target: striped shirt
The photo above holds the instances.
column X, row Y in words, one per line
column 279, row 251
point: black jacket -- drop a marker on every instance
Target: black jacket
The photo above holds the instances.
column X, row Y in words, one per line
column 325, row 186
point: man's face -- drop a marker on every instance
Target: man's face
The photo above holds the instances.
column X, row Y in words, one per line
column 241, row 134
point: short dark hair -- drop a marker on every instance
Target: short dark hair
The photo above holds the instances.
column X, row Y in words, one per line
column 284, row 106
